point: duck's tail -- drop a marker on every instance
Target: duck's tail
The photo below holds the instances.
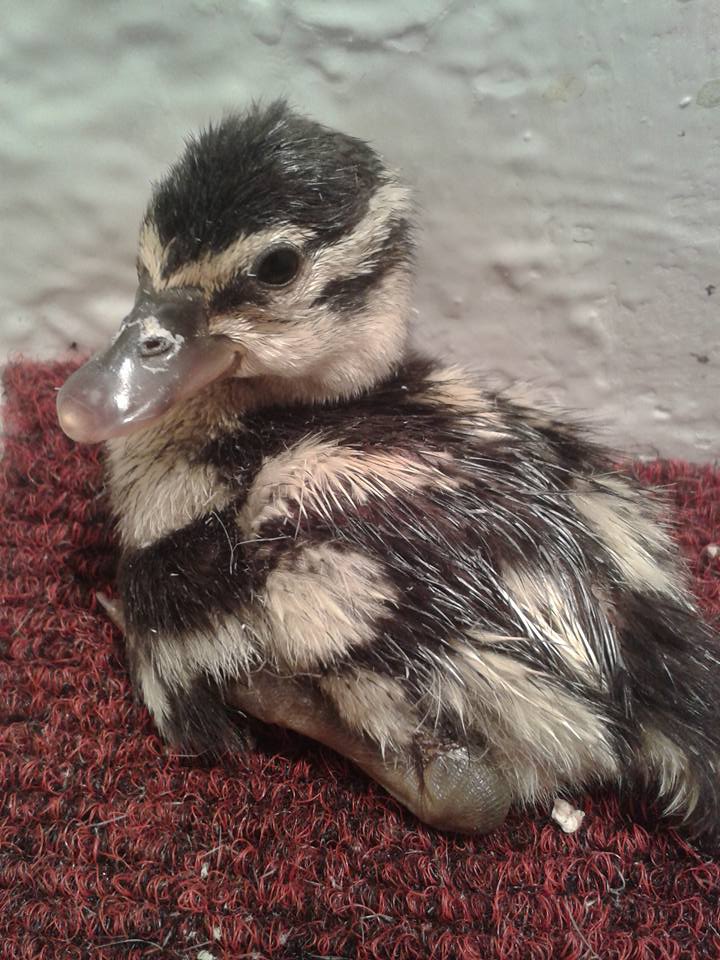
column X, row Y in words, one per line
column 675, row 675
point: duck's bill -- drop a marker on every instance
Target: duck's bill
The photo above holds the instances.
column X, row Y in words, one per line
column 162, row 354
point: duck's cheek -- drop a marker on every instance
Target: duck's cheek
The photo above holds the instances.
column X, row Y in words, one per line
column 288, row 348
column 152, row 364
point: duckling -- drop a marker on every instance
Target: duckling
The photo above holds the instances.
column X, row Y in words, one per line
column 323, row 530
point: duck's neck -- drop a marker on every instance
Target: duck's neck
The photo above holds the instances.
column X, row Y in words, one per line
column 220, row 407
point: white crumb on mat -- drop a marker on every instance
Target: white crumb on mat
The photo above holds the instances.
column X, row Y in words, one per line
column 712, row 550
column 568, row 817
column 206, row 955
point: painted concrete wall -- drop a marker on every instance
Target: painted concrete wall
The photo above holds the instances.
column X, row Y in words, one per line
column 566, row 155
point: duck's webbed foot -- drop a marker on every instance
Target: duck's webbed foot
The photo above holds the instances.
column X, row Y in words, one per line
column 114, row 610
column 457, row 788
column 448, row 786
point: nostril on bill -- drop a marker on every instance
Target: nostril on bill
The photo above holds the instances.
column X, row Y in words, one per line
column 155, row 346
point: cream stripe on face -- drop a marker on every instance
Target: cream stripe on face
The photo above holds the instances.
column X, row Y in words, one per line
column 214, row 269
column 340, row 258
column 352, row 252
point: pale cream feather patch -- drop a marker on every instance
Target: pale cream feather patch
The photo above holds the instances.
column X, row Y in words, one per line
column 151, row 253
column 625, row 522
column 314, row 607
column 317, row 606
column 343, row 257
column 153, row 694
column 374, row 706
column 313, row 354
column 359, row 247
column 324, row 476
column 667, row 765
column 474, row 409
column 213, row 270
column 153, row 496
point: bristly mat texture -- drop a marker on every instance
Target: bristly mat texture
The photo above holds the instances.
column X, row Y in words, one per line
column 111, row 847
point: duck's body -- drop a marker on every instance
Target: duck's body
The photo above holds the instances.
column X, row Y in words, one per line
column 452, row 588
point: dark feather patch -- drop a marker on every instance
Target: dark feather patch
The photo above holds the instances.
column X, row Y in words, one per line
column 202, row 720
column 266, row 167
column 179, row 583
column 673, row 666
column 240, row 291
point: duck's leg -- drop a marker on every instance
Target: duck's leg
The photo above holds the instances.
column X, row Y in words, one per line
column 114, row 610
column 449, row 787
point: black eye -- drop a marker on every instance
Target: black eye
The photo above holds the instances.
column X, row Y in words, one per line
column 278, row 266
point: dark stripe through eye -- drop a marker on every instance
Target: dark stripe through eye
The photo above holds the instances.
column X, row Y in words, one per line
column 240, row 291
column 351, row 293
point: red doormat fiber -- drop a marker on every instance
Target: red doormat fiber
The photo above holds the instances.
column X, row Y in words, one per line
column 112, row 848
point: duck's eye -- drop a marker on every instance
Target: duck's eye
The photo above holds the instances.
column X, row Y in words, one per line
column 277, row 266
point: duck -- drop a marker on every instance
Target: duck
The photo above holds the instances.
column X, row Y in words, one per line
column 322, row 529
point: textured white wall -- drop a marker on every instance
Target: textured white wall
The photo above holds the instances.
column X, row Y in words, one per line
column 565, row 154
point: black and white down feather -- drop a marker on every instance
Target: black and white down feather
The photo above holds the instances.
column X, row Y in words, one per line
column 448, row 585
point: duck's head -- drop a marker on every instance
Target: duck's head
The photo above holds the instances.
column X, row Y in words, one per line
column 275, row 250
